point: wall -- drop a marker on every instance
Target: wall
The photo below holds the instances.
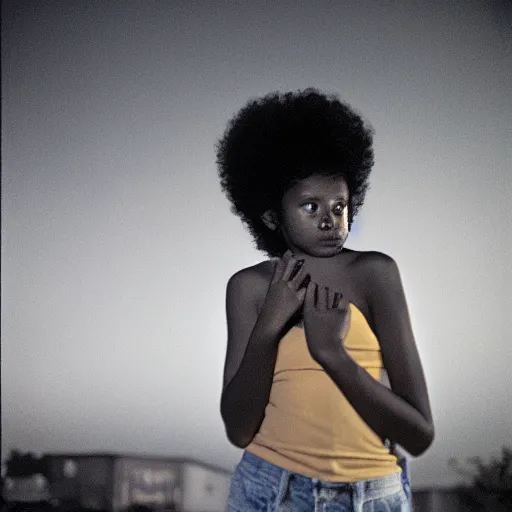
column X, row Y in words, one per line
column 84, row 480
column 205, row 490
column 146, row 482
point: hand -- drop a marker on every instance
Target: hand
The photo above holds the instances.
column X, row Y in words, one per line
column 326, row 322
column 287, row 289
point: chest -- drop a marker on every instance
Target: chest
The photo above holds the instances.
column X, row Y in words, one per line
column 349, row 280
column 349, row 277
column 360, row 342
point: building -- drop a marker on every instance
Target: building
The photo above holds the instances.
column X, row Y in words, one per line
column 28, row 489
column 115, row 482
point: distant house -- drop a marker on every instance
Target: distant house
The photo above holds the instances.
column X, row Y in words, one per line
column 27, row 489
column 116, row 482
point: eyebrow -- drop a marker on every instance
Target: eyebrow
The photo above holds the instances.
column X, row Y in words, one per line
column 308, row 197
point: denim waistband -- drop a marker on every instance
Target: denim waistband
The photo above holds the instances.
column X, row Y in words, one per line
column 266, row 479
column 273, row 472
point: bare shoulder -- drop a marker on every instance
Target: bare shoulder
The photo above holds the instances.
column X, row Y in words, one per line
column 374, row 263
column 251, row 283
column 376, row 271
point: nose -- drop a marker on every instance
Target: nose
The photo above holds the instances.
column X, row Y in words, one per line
column 326, row 223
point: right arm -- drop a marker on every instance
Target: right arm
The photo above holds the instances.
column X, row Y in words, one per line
column 253, row 341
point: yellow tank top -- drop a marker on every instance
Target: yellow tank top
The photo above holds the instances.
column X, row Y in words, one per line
column 309, row 427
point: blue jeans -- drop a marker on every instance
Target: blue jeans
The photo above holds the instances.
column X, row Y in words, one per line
column 259, row 486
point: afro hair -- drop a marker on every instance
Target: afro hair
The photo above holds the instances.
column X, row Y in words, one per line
column 281, row 138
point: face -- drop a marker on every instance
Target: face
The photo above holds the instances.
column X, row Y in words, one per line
column 314, row 218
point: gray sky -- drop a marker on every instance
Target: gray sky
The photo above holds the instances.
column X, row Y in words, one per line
column 117, row 242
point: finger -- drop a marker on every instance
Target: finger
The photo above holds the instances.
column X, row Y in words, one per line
column 290, row 268
column 326, row 304
column 301, row 295
column 320, row 297
column 278, row 271
column 287, row 255
column 343, row 303
column 305, row 282
column 281, row 266
column 309, row 299
column 297, row 268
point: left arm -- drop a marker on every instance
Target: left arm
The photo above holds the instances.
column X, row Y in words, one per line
column 401, row 414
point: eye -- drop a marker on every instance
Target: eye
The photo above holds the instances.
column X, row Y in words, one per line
column 338, row 208
column 310, row 207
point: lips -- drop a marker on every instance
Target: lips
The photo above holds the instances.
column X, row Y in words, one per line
column 335, row 240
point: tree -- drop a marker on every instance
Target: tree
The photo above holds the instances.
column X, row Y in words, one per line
column 23, row 465
column 491, row 483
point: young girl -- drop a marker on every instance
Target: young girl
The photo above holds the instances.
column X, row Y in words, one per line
column 311, row 330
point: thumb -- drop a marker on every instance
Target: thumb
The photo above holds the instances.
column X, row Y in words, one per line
column 278, row 271
column 281, row 266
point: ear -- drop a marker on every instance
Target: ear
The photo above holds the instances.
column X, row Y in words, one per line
column 269, row 218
